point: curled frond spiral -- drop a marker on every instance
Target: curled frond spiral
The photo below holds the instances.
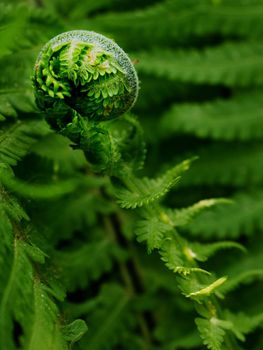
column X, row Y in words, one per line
column 87, row 73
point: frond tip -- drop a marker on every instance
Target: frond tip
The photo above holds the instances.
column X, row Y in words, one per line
column 145, row 191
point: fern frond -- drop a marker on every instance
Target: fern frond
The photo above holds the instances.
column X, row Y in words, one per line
column 232, row 163
column 80, row 266
column 12, row 25
column 230, row 64
column 240, row 117
column 14, row 101
column 247, row 270
column 242, row 217
column 23, row 298
column 212, row 331
column 243, row 324
column 152, row 231
column 184, row 216
column 178, row 259
column 177, row 20
column 36, row 191
column 108, row 315
column 16, row 139
column 144, row 191
column 202, row 252
column 74, row 331
column 57, row 148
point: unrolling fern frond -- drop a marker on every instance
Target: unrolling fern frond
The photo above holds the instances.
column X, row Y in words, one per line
column 240, row 117
column 230, row 64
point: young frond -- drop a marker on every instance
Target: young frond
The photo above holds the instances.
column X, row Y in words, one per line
column 145, row 191
column 240, row 118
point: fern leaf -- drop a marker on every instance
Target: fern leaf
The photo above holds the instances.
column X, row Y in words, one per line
column 108, row 321
column 18, row 286
column 243, row 324
column 12, row 27
column 177, row 258
column 16, row 140
column 86, row 263
column 202, row 252
column 57, row 149
column 182, row 217
column 239, row 118
column 178, row 20
column 243, row 216
column 36, row 191
column 232, row 163
column 145, row 191
column 230, row 64
column 212, row 331
column 14, row 101
column 152, row 231
column 246, row 271
column 74, row 331
column 45, row 332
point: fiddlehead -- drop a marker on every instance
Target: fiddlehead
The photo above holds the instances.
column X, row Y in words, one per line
column 82, row 79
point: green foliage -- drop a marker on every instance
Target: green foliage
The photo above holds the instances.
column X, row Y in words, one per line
column 97, row 251
column 239, row 118
column 217, row 65
column 145, row 191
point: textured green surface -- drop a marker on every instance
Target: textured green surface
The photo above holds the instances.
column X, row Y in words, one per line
column 183, row 270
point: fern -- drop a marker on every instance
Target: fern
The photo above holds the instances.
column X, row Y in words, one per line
column 212, row 331
column 145, row 191
column 176, row 21
column 232, row 64
column 69, row 239
column 238, row 118
column 235, row 164
column 17, row 139
column 243, row 324
column 242, row 217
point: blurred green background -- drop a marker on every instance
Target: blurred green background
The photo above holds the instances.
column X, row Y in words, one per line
column 200, row 65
